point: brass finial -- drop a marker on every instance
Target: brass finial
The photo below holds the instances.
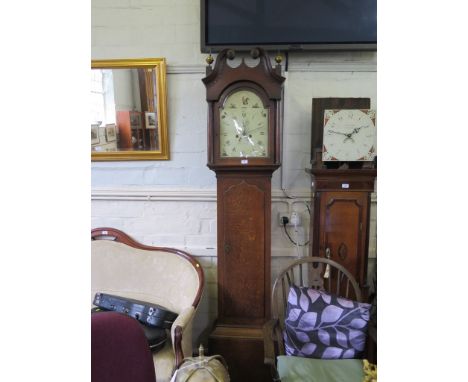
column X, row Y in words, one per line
column 278, row 58
column 255, row 53
column 209, row 59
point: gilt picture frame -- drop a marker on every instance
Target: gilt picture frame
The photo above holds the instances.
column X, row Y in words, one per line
column 111, row 135
column 151, row 121
column 151, row 78
column 95, row 135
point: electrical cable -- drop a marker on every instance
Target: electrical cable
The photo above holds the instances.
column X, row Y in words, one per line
column 296, row 236
column 291, row 240
column 308, row 207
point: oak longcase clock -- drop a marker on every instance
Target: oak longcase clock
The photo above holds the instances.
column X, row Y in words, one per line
column 244, row 125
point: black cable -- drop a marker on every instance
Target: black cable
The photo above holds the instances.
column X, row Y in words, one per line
column 308, row 207
column 291, row 240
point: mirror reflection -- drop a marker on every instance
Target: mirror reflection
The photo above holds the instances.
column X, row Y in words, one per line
column 126, row 111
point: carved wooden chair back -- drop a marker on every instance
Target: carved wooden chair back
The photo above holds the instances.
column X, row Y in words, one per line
column 315, row 272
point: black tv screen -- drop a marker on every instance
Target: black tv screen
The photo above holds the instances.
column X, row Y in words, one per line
column 289, row 24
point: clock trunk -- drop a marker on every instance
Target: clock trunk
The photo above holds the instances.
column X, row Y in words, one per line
column 244, row 237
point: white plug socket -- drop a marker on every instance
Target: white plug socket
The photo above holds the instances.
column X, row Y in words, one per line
column 295, row 219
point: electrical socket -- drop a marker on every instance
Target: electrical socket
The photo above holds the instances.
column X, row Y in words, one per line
column 294, row 217
column 282, row 215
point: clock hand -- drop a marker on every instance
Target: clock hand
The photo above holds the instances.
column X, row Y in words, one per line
column 356, row 130
column 239, row 129
column 337, row 132
column 254, row 129
column 348, row 136
column 248, row 137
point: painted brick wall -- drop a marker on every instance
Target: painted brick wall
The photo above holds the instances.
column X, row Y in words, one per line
column 172, row 203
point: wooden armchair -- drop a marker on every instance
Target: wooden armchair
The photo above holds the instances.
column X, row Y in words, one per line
column 164, row 276
column 320, row 274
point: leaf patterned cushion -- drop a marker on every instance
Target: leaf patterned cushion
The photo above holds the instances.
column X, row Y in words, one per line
column 321, row 325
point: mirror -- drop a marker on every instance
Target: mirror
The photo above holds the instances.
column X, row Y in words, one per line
column 128, row 110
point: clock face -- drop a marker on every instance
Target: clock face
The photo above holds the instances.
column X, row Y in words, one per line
column 243, row 126
column 349, row 135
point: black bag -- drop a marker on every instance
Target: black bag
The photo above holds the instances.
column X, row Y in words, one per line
column 145, row 312
column 156, row 337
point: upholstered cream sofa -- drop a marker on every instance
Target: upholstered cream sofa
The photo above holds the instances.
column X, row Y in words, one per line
column 164, row 276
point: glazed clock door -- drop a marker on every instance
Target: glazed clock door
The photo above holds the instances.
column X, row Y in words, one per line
column 343, row 229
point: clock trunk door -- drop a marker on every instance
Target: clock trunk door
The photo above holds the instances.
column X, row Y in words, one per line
column 343, row 229
column 243, row 236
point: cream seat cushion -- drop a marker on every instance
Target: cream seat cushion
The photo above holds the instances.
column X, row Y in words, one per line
column 299, row 369
column 158, row 277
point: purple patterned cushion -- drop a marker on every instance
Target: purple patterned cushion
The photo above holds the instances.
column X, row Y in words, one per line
column 321, row 325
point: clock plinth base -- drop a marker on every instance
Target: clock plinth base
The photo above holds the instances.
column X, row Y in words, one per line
column 242, row 348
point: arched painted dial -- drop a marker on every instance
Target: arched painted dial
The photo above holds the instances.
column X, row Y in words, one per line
column 243, row 126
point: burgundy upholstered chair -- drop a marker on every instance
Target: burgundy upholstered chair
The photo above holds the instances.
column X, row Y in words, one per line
column 119, row 350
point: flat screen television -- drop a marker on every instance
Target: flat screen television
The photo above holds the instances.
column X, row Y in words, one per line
column 289, row 24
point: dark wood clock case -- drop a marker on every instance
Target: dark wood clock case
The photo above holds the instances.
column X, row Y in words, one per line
column 243, row 219
column 340, row 227
column 342, row 199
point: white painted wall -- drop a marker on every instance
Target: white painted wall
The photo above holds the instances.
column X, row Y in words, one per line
column 126, row 89
column 172, row 203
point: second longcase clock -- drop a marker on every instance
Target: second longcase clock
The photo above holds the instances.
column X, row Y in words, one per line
column 343, row 177
column 244, row 123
